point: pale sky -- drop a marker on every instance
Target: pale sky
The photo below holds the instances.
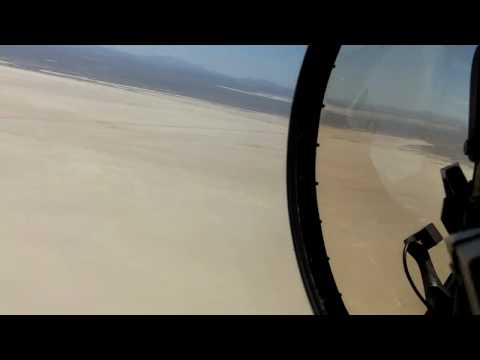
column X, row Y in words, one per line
column 279, row 64
column 422, row 78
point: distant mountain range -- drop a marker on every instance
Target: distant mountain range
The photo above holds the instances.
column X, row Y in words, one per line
column 164, row 73
column 428, row 116
column 152, row 72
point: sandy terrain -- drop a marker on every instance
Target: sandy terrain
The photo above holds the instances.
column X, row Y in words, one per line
column 121, row 201
column 116, row 201
column 372, row 195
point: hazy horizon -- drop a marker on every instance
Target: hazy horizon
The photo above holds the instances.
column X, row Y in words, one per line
column 279, row 64
column 416, row 78
column 411, row 79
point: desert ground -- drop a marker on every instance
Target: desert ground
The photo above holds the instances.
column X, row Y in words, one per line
column 373, row 193
column 120, row 201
